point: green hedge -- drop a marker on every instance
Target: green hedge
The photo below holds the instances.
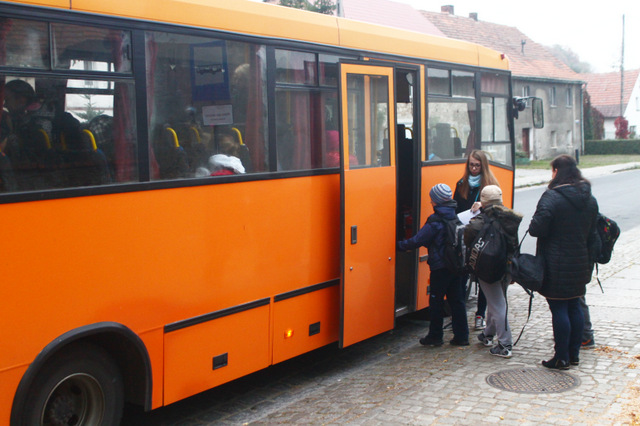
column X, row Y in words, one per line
column 620, row 146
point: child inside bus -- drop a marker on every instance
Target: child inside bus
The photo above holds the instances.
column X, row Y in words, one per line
column 226, row 162
column 443, row 282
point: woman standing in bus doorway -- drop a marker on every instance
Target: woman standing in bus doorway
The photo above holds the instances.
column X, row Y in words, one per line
column 565, row 224
column 477, row 175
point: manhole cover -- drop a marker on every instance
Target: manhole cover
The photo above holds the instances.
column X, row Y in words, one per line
column 533, row 380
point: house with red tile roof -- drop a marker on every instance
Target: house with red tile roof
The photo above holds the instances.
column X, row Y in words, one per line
column 535, row 72
column 606, row 89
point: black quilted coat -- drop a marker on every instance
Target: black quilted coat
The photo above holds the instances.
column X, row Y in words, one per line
column 564, row 223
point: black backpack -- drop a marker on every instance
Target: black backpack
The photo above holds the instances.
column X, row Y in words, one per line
column 609, row 231
column 487, row 258
column 454, row 249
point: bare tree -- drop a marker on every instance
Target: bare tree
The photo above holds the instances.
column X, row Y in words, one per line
column 326, row 7
column 571, row 59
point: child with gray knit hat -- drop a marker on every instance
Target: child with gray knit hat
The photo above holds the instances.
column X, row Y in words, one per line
column 443, row 282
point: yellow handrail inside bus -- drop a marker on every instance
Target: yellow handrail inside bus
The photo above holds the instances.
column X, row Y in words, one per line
column 410, row 131
column 47, row 140
column 197, row 133
column 63, row 141
column 92, row 139
column 235, row 129
column 174, row 135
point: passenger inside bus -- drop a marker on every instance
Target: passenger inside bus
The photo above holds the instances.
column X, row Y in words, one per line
column 223, row 165
column 25, row 146
column 227, row 160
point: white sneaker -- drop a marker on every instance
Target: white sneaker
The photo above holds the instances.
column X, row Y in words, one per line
column 479, row 324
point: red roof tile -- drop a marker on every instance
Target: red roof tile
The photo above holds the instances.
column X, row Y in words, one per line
column 604, row 89
column 389, row 13
column 528, row 60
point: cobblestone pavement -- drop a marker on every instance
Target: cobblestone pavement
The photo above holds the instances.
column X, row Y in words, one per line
column 391, row 379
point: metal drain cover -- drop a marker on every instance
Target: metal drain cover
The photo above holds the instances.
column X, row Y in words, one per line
column 533, row 380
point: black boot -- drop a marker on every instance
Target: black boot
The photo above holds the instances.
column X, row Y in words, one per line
column 556, row 364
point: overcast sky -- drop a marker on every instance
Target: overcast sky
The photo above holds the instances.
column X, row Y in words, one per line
column 592, row 29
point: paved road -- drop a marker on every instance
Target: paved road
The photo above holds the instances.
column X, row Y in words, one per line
column 611, row 190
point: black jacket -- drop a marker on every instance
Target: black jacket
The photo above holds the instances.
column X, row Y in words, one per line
column 465, row 203
column 431, row 235
column 564, row 223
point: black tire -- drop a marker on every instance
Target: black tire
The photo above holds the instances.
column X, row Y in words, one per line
column 81, row 387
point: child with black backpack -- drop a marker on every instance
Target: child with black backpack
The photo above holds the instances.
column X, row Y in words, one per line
column 492, row 238
column 445, row 274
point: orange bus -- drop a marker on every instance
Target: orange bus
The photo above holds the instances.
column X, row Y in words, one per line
column 194, row 190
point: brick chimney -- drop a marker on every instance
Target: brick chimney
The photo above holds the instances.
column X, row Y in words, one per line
column 474, row 16
column 447, row 9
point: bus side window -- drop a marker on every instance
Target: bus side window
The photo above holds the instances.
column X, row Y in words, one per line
column 198, row 88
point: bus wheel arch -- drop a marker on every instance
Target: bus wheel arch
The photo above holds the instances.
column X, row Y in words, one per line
column 111, row 348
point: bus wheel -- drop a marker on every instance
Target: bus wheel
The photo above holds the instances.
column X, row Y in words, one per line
column 81, row 387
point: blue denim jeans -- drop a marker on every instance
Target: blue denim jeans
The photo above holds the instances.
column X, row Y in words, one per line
column 568, row 322
column 443, row 283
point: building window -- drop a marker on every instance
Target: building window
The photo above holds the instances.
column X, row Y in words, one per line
column 552, row 96
column 637, row 103
column 526, row 90
column 554, row 139
column 569, row 97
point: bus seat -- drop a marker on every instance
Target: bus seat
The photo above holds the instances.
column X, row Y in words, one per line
column 457, row 148
column 101, row 126
column 7, row 180
column 191, row 142
column 443, row 142
column 245, row 155
column 29, row 157
column 52, row 162
column 86, row 165
column 172, row 158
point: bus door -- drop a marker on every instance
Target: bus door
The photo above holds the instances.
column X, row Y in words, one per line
column 408, row 170
column 368, row 202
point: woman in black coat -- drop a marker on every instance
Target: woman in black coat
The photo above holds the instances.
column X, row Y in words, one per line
column 564, row 223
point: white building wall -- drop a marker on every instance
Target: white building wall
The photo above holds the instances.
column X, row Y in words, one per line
column 632, row 112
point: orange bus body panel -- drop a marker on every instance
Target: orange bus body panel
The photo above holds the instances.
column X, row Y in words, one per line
column 297, row 315
column 189, row 369
column 505, row 178
column 148, row 259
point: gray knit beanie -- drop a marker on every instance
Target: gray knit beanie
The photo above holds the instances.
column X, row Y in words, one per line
column 440, row 193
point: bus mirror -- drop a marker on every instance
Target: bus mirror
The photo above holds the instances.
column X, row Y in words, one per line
column 538, row 113
column 519, row 105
